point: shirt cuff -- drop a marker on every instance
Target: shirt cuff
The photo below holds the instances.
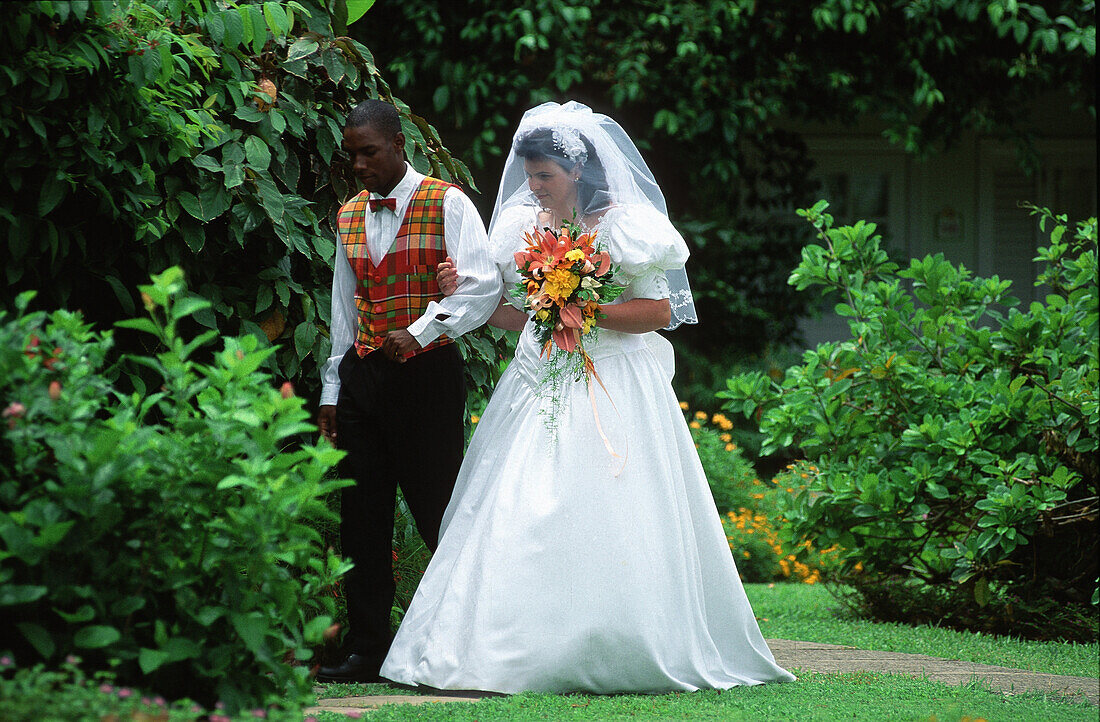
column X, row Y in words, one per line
column 330, row 394
column 427, row 328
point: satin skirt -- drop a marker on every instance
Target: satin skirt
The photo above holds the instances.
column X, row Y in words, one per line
column 565, row 566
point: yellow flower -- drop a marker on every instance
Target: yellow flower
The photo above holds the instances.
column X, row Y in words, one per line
column 726, row 438
column 695, row 425
column 560, row 283
column 757, row 496
column 543, row 315
column 730, row 447
column 589, row 322
column 474, row 418
column 746, row 554
column 684, row 405
column 701, row 415
column 575, row 255
column 719, row 419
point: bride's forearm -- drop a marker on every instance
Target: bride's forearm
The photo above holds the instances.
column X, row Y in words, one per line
column 507, row 317
column 639, row 315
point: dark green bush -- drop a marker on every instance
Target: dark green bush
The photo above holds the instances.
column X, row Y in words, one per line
column 141, row 134
column 169, row 532
column 956, row 440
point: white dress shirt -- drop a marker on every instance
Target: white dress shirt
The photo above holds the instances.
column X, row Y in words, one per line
column 479, row 286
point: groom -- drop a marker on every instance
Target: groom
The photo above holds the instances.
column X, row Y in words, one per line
column 393, row 392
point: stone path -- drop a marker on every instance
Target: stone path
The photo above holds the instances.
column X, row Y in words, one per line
column 828, row 658
column 818, row 657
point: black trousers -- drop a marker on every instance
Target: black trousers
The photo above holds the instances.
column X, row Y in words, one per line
column 401, row 425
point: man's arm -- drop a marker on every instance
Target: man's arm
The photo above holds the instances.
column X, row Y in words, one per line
column 480, row 288
column 341, row 336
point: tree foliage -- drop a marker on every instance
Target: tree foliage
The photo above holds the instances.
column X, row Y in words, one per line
column 139, row 134
column 708, row 88
column 954, row 443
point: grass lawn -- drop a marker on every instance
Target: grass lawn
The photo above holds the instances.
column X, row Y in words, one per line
column 804, row 612
column 808, row 612
column 861, row 696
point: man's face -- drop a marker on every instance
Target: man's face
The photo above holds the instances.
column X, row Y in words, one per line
column 377, row 161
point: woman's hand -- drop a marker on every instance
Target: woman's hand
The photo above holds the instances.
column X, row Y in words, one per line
column 446, row 275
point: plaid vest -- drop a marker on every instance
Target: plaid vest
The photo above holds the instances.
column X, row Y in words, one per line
column 396, row 292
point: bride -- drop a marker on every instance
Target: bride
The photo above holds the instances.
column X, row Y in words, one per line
column 565, row 565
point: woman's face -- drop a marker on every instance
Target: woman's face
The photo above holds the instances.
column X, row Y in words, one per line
column 555, row 187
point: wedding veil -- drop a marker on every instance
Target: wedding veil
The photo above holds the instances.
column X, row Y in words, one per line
column 612, row 173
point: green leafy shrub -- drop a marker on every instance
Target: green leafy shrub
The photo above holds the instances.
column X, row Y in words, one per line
column 730, row 475
column 956, row 440
column 750, row 507
column 170, row 531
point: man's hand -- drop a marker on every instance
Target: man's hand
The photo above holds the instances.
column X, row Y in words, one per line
column 398, row 343
column 326, row 421
column 447, row 277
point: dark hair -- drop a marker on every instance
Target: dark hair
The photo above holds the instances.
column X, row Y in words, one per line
column 538, row 144
column 378, row 114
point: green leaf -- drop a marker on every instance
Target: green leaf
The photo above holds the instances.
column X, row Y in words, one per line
column 302, row 48
column 151, row 659
column 140, row 324
column 125, row 298
column 84, row 614
column 304, row 336
column 252, row 629
column 271, row 199
column 257, row 152
column 96, row 636
column 11, row 594
column 53, row 191
column 276, row 18
column 206, row 163
column 357, row 8
column 39, row 638
column 234, row 28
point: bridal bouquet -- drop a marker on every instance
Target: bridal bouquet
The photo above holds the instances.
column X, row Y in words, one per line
column 565, row 278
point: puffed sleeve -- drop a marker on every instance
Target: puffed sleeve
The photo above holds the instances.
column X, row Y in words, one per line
column 643, row 243
column 508, row 237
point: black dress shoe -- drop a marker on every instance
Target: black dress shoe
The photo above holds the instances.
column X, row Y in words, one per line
column 354, row 668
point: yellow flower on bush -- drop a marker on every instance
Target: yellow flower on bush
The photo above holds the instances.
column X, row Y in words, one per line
column 695, row 425
column 684, row 405
column 701, row 415
column 730, row 447
column 725, row 437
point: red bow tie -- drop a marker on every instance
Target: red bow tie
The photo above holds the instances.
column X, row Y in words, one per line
column 376, row 203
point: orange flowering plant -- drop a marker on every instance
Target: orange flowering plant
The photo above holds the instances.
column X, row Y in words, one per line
column 565, row 278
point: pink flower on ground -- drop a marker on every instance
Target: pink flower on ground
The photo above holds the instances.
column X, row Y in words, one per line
column 106, row 688
column 259, row 713
column 124, row 693
column 310, row 719
column 72, row 659
column 6, row 661
column 219, row 705
column 146, row 701
column 159, row 701
column 354, row 714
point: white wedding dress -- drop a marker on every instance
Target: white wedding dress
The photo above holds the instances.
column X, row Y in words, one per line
column 564, row 568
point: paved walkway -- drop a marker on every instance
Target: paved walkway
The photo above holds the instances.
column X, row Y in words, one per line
column 830, row 658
